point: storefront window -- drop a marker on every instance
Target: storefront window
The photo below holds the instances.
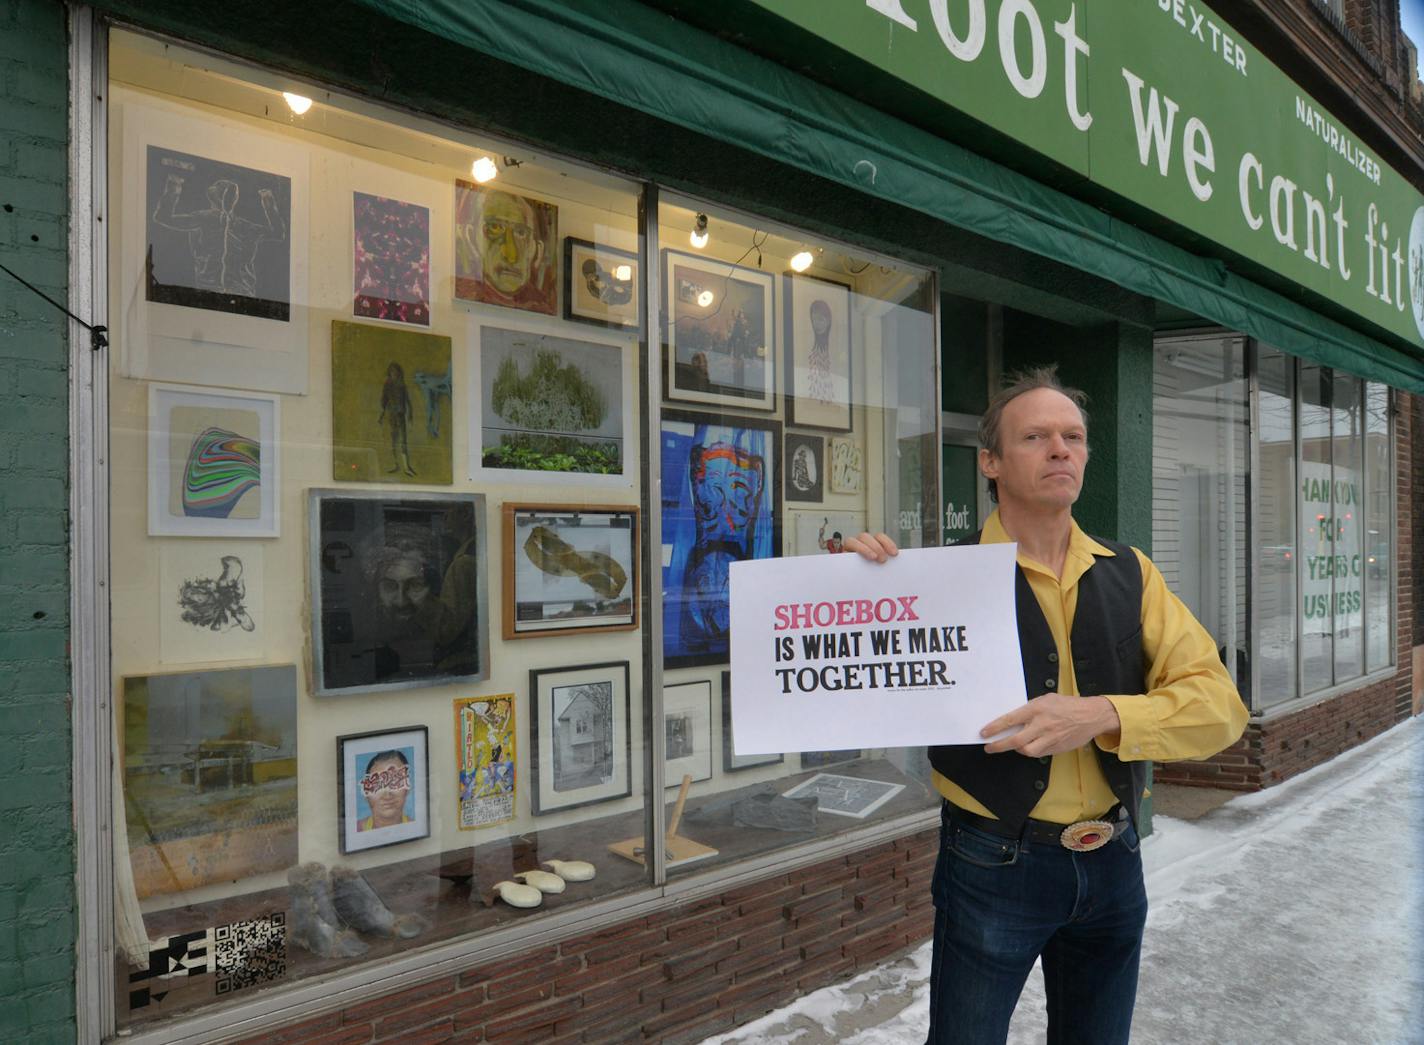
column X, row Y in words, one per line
column 1379, row 530
column 1348, row 518
column 1274, row 536
column 1317, row 533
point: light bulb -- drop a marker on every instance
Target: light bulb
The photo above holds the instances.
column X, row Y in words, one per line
column 801, row 261
column 484, row 169
column 298, row 103
column 705, row 298
column 698, row 236
column 623, row 272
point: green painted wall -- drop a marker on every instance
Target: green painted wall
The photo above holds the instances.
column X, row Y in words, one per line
column 37, row 901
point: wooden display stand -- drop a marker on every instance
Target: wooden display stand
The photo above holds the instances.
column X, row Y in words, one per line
column 679, row 850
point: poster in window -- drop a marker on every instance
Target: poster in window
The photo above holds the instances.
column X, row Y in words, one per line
column 390, row 260
column 818, row 368
column 721, row 504
column 506, row 248
column 569, row 568
column 579, row 722
column 484, row 759
column 720, row 335
column 383, row 780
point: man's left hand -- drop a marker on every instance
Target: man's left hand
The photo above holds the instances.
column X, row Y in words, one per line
column 1052, row 724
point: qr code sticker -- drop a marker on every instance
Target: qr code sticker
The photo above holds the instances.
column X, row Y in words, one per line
column 250, row 953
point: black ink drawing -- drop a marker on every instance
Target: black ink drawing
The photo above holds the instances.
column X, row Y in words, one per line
column 216, row 603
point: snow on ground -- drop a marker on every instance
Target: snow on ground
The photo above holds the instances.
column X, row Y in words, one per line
column 1293, row 915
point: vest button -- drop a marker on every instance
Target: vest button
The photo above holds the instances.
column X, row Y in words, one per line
column 1045, row 759
column 1053, row 658
column 1050, row 683
column 1039, row 785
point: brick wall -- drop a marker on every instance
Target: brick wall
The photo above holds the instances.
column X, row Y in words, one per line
column 677, row 976
column 37, row 913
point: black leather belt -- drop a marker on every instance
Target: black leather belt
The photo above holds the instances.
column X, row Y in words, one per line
column 1083, row 837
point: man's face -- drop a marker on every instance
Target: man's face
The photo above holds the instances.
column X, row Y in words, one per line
column 385, row 786
column 401, row 588
column 1043, row 451
column 507, row 243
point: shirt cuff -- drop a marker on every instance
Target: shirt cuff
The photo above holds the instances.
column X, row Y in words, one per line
column 1131, row 743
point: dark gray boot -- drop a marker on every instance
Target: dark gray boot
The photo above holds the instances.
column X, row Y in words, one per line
column 363, row 910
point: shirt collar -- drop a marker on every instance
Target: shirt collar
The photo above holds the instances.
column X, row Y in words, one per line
column 1081, row 548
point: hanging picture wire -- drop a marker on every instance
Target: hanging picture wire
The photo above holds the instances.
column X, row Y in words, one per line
column 98, row 335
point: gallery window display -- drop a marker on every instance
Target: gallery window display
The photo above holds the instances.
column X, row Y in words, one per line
column 381, row 565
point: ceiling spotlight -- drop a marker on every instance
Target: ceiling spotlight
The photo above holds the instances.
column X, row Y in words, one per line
column 699, row 232
column 298, row 103
column 705, row 298
column 623, row 272
column 801, row 260
column 484, row 169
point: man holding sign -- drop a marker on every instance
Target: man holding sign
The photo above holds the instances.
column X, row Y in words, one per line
column 1039, row 847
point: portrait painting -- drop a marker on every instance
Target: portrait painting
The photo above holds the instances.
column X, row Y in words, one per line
column 390, row 260
column 845, row 795
column 383, row 780
column 601, row 285
column 824, row 532
column 398, row 591
column 805, row 467
column 211, row 602
column 818, row 352
column 721, row 503
column 218, row 236
column 569, row 568
column 390, row 405
column 209, row 776
column 687, row 723
column 720, row 334
column 485, row 728
column 847, row 466
column 582, row 741
column 212, row 463
column 506, row 248
column 731, row 761
column 549, row 405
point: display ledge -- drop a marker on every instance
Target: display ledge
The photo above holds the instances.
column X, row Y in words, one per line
column 234, row 949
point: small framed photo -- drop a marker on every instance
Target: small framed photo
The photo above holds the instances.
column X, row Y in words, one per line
column 601, row 285
column 805, row 467
column 730, row 760
column 384, row 784
column 818, row 351
column 569, row 568
column 720, row 335
column 583, row 746
column 846, row 795
column 212, row 463
column 687, row 719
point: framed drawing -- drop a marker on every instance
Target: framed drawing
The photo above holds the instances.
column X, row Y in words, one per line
column 824, row 533
column 687, row 721
column 720, row 335
column 847, row 466
column 398, row 590
column 731, row 761
column 212, row 463
column 390, row 405
column 805, row 467
column 818, row 352
column 204, row 741
column 213, row 234
column 548, row 407
column 721, row 503
column 484, row 760
column 211, row 606
column 846, row 795
column 383, row 779
column 583, row 743
column 601, row 285
column 569, row 568
column 506, row 248
column 390, row 252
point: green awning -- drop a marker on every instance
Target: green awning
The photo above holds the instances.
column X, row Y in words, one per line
column 642, row 58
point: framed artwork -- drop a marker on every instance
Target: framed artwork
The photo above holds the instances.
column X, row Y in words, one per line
column 210, row 776
column 213, row 266
column 390, row 405
column 383, row 779
column 721, row 504
column 720, row 335
column 819, row 759
column 687, row 721
column 390, row 252
column 846, row 795
column 398, row 590
column 485, row 761
column 731, row 761
column 550, row 406
column 805, row 467
column 211, row 605
column 824, row 533
column 212, row 463
column 601, row 285
column 569, row 568
column 847, row 466
column 583, row 742
column 506, row 248
column 818, row 353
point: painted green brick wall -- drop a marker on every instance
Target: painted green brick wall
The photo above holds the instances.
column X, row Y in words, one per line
column 37, row 902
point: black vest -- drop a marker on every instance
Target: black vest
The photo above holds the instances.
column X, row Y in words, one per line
column 1106, row 645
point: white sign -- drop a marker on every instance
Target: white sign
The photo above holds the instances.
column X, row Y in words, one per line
column 839, row 652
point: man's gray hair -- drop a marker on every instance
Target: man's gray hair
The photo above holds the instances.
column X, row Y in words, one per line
column 1028, row 380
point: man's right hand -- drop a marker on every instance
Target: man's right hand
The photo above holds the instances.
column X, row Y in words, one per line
column 877, row 547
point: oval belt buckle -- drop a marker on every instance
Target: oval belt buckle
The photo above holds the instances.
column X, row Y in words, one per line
column 1086, row 835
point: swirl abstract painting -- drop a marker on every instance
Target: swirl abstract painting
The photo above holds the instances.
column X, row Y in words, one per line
column 222, row 467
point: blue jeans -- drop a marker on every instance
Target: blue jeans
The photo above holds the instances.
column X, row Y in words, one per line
column 1000, row 904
